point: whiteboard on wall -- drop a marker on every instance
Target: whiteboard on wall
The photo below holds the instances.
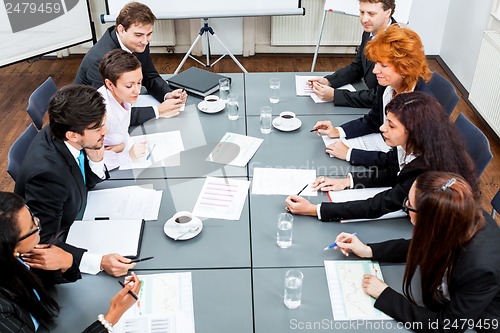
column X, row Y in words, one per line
column 29, row 29
column 185, row 9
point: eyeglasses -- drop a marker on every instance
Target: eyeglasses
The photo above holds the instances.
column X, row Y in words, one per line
column 406, row 207
column 36, row 223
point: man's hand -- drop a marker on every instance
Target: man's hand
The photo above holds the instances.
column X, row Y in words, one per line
column 115, row 264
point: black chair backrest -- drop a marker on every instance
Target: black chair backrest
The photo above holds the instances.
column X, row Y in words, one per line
column 495, row 202
column 476, row 142
column 444, row 92
column 39, row 101
column 18, row 150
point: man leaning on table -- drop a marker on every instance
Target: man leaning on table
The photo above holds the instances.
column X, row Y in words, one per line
column 65, row 160
column 132, row 32
column 374, row 15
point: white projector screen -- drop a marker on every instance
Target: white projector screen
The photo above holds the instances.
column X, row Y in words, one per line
column 175, row 9
column 30, row 28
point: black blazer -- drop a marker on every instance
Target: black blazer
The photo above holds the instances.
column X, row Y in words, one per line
column 370, row 123
column 385, row 202
column 360, row 68
column 89, row 74
column 15, row 319
column 474, row 285
column 52, row 184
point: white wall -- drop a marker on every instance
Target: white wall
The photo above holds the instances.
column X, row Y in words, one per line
column 462, row 37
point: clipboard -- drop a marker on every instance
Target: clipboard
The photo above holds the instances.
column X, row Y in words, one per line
column 108, row 236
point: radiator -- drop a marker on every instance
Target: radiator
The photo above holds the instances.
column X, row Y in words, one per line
column 340, row 29
column 163, row 32
column 485, row 90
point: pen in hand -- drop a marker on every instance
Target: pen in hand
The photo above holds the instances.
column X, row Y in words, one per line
column 130, row 292
column 183, row 104
column 303, row 189
column 141, row 259
column 335, row 243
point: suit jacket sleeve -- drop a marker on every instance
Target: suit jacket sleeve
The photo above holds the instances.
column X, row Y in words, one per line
column 369, row 158
column 140, row 114
column 356, row 99
column 156, row 86
column 13, row 319
column 386, row 175
column 394, row 250
column 369, row 123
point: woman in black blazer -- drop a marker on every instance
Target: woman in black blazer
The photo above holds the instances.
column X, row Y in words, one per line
column 423, row 139
column 457, row 250
column 25, row 305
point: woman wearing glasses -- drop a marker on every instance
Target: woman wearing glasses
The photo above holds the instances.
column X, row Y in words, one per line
column 457, row 250
column 25, row 304
column 423, row 139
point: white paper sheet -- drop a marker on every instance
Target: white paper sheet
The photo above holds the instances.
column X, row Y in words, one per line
column 272, row 181
column 348, row 300
column 165, row 306
column 163, row 149
column 362, row 194
column 235, row 149
column 107, row 236
column 303, row 89
column 146, row 100
column 128, row 202
column 372, row 141
column 221, row 198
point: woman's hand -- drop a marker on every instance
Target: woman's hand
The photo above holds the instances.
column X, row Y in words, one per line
column 325, row 127
column 122, row 301
column 338, row 149
column 351, row 243
column 373, row 286
column 331, row 184
column 138, row 150
column 49, row 258
column 298, row 205
column 323, row 91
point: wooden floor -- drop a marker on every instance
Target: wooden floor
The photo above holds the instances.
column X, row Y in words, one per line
column 19, row 80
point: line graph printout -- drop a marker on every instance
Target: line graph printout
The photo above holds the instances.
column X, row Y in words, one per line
column 349, row 301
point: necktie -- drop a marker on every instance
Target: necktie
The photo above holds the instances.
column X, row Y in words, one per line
column 81, row 164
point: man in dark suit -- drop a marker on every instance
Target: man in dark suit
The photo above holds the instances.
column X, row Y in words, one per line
column 374, row 15
column 132, row 33
column 65, row 160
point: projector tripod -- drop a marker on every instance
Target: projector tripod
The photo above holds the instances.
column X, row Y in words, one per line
column 206, row 28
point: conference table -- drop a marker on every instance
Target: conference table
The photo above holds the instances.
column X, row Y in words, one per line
column 237, row 268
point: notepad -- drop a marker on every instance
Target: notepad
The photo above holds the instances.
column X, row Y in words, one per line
column 108, row 236
column 197, row 81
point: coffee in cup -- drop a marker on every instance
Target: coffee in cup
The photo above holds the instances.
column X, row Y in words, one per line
column 183, row 217
column 211, row 101
column 286, row 119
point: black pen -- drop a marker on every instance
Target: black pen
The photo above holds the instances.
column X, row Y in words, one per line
column 302, row 189
column 141, row 259
column 313, row 130
column 130, row 292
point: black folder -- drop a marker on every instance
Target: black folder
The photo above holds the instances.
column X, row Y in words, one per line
column 197, row 81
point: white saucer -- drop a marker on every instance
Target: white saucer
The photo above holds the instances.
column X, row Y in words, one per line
column 295, row 126
column 174, row 230
column 218, row 107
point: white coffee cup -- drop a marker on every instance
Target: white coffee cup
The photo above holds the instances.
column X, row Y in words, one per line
column 211, row 101
column 183, row 218
column 286, row 119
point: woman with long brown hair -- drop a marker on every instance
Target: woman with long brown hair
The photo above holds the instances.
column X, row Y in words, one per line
column 457, row 251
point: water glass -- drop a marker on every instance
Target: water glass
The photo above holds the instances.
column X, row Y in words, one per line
column 224, row 85
column 265, row 119
column 274, row 90
column 232, row 107
column 293, row 288
column 285, row 230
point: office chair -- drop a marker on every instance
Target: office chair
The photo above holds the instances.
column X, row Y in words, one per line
column 39, row 101
column 495, row 202
column 444, row 92
column 18, row 150
column 476, row 143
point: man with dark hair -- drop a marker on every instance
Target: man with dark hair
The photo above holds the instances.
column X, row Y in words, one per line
column 132, row 33
column 65, row 160
column 374, row 15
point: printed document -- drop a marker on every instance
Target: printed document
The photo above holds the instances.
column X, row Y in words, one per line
column 221, row 198
column 363, row 194
column 303, row 89
column 165, row 306
column 348, row 299
column 283, row 181
column 235, row 149
column 122, row 203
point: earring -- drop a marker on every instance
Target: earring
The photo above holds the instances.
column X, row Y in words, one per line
column 17, row 254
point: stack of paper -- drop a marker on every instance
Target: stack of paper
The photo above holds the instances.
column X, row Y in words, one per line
column 348, row 299
column 129, row 202
column 283, row 181
column 165, row 306
column 221, row 198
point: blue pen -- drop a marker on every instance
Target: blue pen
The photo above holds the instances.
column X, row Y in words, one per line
column 150, row 152
column 331, row 246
